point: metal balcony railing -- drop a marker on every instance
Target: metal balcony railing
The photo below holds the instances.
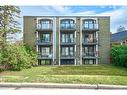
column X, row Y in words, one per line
column 68, row 41
column 43, row 42
column 45, row 26
column 70, row 55
column 90, row 26
column 67, row 26
column 89, row 54
column 90, row 41
column 45, row 56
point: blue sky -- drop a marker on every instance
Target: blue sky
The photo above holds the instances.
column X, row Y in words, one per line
column 118, row 14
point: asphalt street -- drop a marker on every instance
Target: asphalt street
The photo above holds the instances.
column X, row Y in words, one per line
column 57, row 91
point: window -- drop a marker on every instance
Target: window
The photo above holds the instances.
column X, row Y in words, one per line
column 71, row 38
column 89, row 61
column 67, row 38
column 71, row 51
column 45, row 24
column 63, row 38
column 45, row 62
column 67, row 51
column 45, row 51
column 89, row 51
column 67, row 23
column 88, row 24
column 45, row 38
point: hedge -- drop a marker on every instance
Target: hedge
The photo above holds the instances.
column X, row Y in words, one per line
column 119, row 55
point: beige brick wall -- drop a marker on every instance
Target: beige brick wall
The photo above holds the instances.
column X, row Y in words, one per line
column 29, row 30
column 104, row 39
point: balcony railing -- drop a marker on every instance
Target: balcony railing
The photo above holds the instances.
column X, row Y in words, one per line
column 67, row 26
column 90, row 26
column 43, row 42
column 45, row 56
column 69, row 41
column 90, row 41
column 45, row 26
column 68, row 56
column 89, row 54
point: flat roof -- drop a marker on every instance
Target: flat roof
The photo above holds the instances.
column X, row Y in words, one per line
column 67, row 16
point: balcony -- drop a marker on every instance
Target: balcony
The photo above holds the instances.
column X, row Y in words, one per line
column 67, row 56
column 67, row 27
column 45, row 56
column 90, row 42
column 90, row 27
column 68, row 42
column 43, row 42
column 45, row 27
column 89, row 55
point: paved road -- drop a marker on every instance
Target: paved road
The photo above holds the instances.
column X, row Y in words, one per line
column 57, row 91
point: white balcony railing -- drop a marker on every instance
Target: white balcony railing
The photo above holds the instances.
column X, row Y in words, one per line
column 44, row 26
column 67, row 26
column 90, row 26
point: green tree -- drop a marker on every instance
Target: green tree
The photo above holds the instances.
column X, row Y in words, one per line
column 8, row 24
column 8, row 20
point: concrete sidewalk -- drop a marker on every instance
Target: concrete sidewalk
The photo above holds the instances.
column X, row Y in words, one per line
column 68, row 86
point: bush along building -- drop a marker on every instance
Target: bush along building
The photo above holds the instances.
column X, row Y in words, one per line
column 69, row 40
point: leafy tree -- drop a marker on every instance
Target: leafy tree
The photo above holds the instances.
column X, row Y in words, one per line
column 13, row 56
column 8, row 20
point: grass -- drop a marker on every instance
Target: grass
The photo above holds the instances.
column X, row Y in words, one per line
column 87, row 74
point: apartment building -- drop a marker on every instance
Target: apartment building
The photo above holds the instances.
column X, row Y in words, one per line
column 69, row 40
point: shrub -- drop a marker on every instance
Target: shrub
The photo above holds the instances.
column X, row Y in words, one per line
column 17, row 57
column 119, row 55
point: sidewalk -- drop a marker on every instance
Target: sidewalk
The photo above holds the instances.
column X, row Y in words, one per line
column 68, row 86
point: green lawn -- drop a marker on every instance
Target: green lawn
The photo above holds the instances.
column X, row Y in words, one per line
column 87, row 74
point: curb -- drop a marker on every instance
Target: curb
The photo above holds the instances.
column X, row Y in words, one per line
column 66, row 86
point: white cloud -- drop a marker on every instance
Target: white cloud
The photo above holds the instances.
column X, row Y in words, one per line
column 85, row 13
column 118, row 18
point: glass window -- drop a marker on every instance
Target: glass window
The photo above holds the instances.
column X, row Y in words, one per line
column 45, row 38
column 45, row 24
column 71, row 38
column 88, row 24
column 67, row 51
column 67, row 23
column 89, row 51
column 89, row 61
column 45, row 51
column 67, row 38
column 63, row 38
column 71, row 51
